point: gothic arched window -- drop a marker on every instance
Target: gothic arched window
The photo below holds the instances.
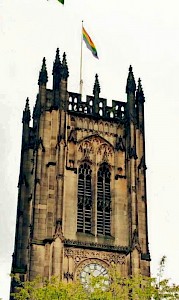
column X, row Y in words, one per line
column 84, row 199
column 103, row 200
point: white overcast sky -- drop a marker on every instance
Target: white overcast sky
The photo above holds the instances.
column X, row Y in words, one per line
column 144, row 33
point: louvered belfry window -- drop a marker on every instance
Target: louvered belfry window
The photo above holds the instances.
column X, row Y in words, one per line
column 103, row 200
column 84, row 199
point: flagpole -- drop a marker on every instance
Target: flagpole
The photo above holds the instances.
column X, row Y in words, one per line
column 81, row 80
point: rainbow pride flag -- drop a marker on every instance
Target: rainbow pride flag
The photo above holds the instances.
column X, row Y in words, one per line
column 89, row 43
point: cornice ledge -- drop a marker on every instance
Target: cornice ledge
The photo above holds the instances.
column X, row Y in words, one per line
column 42, row 242
column 97, row 246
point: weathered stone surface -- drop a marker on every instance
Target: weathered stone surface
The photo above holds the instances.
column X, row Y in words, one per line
column 48, row 241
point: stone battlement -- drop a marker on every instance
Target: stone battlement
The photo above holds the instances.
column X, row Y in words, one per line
column 97, row 108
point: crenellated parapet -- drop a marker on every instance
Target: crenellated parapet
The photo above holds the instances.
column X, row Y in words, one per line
column 93, row 106
column 99, row 110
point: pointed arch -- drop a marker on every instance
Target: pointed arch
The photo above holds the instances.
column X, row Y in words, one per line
column 93, row 137
column 104, row 200
column 84, row 208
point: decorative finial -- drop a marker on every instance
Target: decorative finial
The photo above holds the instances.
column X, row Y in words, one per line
column 27, row 105
column 130, row 68
column 96, row 89
column 57, row 54
column 131, row 86
column 56, row 71
column 64, row 68
column 26, row 113
column 43, row 77
column 140, row 94
column 56, row 64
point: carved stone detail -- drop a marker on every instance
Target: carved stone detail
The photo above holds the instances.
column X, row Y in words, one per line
column 135, row 241
column 86, row 148
column 134, row 188
column 79, row 255
column 132, row 153
column 73, row 136
column 39, row 144
column 142, row 166
column 68, row 275
column 105, row 149
column 58, row 230
column 120, row 144
column 105, row 157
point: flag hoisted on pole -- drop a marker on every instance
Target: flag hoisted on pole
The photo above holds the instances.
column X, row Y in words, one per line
column 61, row 1
column 91, row 46
column 89, row 43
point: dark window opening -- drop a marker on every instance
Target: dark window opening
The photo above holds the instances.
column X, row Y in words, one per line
column 103, row 200
column 84, row 199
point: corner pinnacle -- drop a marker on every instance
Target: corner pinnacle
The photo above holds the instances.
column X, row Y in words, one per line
column 96, row 89
column 26, row 113
column 131, row 86
column 140, row 94
column 43, row 77
column 64, row 68
column 56, row 64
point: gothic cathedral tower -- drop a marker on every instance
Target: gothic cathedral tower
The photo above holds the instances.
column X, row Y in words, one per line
column 82, row 185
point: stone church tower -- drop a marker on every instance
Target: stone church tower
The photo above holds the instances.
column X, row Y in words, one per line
column 82, row 185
